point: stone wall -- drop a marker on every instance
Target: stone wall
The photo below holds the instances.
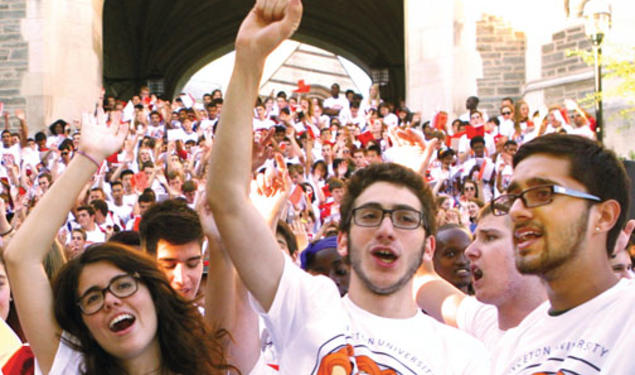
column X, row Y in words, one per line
column 503, row 55
column 13, row 55
column 557, row 62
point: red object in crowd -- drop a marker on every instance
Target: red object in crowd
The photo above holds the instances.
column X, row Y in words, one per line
column 20, row 363
column 365, row 137
column 448, row 140
column 473, row 131
column 440, row 120
column 113, row 158
column 302, row 87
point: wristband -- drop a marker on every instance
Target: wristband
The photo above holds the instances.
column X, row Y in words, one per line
column 88, row 157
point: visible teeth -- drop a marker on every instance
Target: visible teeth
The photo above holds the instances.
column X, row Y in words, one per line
column 119, row 318
column 462, row 272
column 524, row 236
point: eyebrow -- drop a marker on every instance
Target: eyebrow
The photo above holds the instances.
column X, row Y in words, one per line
column 176, row 260
column 394, row 207
column 487, row 231
column 96, row 287
column 534, row 181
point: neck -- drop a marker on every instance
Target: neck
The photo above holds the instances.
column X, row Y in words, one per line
column 146, row 363
column 585, row 276
column 398, row 305
column 523, row 301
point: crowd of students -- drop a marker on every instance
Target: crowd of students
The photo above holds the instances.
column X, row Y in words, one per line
column 309, row 236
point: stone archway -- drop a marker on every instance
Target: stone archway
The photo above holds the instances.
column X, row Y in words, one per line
column 170, row 40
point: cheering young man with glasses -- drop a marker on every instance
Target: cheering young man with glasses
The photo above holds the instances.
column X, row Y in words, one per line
column 568, row 200
column 387, row 221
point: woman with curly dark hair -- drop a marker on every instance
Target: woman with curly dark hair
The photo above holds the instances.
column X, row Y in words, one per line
column 110, row 310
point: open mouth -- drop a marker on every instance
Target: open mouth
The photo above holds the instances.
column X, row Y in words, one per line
column 477, row 273
column 121, row 322
column 525, row 236
column 385, row 256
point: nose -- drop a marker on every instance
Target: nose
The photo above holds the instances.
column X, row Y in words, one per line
column 462, row 259
column 179, row 274
column 386, row 228
column 518, row 211
column 472, row 251
column 110, row 300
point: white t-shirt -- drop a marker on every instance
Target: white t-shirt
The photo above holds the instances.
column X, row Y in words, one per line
column 314, row 330
column 595, row 337
column 479, row 320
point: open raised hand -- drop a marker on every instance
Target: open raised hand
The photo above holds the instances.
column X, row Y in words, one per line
column 98, row 138
column 410, row 150
column 270, row 190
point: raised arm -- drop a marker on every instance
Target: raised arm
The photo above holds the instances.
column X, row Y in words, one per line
column 26, row 251
column 260, row 266
column 226, row 299
column 434, row 295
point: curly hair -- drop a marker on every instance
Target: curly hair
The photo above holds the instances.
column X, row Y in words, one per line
column 188, row 345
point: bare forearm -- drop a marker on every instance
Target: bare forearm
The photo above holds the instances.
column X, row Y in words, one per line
column 233, row 143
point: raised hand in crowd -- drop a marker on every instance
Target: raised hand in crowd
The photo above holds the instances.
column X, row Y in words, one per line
column 410, row 150
column 25, row 253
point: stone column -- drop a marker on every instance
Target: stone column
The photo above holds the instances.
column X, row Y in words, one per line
column 428, row 40
column 442, row 63
column 64, row 72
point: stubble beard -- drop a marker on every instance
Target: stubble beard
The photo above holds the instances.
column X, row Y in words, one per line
column 354, row 260
column 552, row 258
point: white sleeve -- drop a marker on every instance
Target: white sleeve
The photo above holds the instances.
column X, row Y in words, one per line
column 300, row 298
column 479, row 320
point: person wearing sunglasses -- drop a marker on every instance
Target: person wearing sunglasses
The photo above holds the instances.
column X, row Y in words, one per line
column 568, row 200
column 506, row 121
column 110, row 310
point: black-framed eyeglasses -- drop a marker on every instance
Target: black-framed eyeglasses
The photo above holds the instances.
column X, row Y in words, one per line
column 121, row 286
column 506, row 113
column 403, row 218
column 536, row 196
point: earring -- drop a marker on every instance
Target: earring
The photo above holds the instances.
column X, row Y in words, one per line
column 597, row 229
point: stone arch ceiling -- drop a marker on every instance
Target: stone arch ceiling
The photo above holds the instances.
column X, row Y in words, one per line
column 170, row 39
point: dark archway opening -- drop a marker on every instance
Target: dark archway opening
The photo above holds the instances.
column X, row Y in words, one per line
column 167, row 41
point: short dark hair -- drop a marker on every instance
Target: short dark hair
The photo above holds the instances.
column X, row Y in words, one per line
column 374, row 147
column 147, row 197
column 494, row 120
column 80, row 231
column 595, row 167
column 89, row 209
column 40, row 136
column 285, row 231
column 475, row 140
column 126, row 237
column 171, row 220
column 126, row 172
column 100, row 206
column 46, row 175
column 394, row 174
